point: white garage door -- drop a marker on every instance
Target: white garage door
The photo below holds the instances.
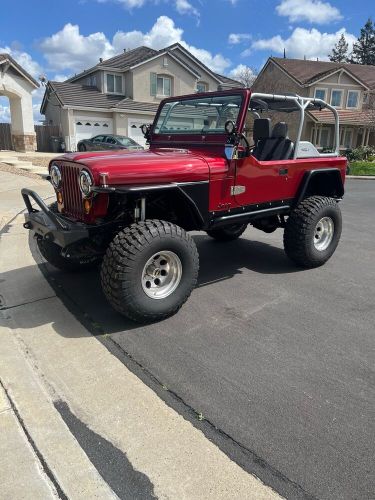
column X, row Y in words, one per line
column 134, row 132
column 87, row 127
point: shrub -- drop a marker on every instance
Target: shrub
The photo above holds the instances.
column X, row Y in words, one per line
column 361, row 153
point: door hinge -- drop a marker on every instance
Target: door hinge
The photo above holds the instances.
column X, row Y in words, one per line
column 235, row 190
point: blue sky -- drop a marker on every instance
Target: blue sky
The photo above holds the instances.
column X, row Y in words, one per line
column 60, row 38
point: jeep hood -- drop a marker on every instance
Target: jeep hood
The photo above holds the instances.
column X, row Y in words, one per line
column 145, row 167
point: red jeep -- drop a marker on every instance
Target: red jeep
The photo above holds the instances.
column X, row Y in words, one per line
column 131, row 212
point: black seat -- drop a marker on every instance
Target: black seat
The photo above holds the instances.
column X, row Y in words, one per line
column 283, row 147
column 271, row 146
column 261, row 134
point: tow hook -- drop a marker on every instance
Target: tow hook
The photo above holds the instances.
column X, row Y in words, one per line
column 28, row 225
column 48, row 237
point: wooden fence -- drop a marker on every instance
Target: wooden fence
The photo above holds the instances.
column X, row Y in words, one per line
column 5, row 136
column 43, row 136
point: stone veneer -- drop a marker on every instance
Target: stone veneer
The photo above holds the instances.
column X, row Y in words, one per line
column 24, row 142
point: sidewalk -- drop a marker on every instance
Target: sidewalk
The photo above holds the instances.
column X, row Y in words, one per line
column 20, row 469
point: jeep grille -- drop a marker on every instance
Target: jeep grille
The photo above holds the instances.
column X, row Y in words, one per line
column 71, row 192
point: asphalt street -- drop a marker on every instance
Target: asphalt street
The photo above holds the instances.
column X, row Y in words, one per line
column 278, row 361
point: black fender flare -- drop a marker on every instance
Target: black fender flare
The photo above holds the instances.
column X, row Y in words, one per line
column 324, row 173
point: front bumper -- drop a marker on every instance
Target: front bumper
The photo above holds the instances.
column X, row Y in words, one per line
column 50, row 225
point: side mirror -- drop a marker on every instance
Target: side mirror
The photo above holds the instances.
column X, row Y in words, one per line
column 146, row 131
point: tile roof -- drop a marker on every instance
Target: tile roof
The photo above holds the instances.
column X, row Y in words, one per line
column 306, row 72
column 75, row 94
column 7, row 57
column 347, row 117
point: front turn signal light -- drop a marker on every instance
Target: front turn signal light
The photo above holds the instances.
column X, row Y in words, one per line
column 87, row 206
column 59, row 198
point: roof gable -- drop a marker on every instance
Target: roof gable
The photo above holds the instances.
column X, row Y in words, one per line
column 307, row 72
column 6, row 58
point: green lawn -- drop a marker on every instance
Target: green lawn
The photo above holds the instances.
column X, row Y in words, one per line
column 362, row 168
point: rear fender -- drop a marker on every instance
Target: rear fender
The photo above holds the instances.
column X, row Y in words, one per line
column 323, row 182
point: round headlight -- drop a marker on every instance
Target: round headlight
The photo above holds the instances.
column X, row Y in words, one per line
column 55, row 176
column 85, row 182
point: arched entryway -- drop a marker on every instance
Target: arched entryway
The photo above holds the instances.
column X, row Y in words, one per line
column 17, row 85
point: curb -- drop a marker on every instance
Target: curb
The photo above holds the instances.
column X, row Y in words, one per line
column 362, row 177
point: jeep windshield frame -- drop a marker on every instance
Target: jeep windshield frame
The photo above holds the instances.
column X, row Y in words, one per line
column 202, row 110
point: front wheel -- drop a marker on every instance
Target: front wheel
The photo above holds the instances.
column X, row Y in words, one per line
column 150, row 270
column 227, row 233
column 313, row 231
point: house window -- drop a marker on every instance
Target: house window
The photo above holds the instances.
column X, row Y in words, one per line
column 348, row 138
column 114, row 84
column 353, row 98
column 202, row 87
column 160, row 85
column 164, row 86
column 320, row 94
column 336, row 98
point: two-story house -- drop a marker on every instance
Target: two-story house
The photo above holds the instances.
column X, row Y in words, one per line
column 119, row 94
column 350, row 88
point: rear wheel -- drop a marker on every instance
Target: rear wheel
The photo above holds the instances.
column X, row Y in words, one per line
column 149, row 270
column 227, row 233
column 82, row 147
column 313, row 231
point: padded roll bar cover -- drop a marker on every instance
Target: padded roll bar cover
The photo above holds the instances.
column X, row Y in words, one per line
column 262, row 129
column 280, row 130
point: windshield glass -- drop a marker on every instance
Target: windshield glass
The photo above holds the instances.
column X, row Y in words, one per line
column 125, row 141
column 205, row 115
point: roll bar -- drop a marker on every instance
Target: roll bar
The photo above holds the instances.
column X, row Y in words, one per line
column 302, row 103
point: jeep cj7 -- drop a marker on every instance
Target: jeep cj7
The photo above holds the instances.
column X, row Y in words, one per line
column 132, row 212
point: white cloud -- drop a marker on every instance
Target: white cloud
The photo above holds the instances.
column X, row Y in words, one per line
column 303, row 42
column 128, row 4
column 236, row 38
column 4, row 110
column 68, row 50
column 185, row 7
column 163, row 33
column 313, row 11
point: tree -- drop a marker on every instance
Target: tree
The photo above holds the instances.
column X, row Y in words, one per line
column 245, row 75
column 340, row 51
column 364, row 48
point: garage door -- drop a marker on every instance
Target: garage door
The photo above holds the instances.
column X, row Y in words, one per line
column 89, row 127
column 134, row 131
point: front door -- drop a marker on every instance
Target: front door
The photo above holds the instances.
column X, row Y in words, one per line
column 259, row 182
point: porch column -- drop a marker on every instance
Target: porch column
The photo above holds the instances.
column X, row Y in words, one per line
column 23, row 133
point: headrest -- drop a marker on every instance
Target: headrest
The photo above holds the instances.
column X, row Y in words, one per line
column 280, row 130
column 262, row 129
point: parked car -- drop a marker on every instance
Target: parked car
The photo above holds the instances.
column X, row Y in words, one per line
column 100, row 142
column 131, row 212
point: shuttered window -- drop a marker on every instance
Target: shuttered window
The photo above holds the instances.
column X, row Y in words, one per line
column 153, row 83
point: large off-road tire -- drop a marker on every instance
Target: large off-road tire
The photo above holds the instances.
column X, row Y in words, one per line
column 227, row 233
column 149, row 270
column 313, row 231
column 52, row 253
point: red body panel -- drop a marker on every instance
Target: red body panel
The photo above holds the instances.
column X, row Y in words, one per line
column 144, row 167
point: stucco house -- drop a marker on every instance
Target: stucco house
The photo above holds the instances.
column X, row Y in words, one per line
column 348, row 87
column 120, row 94
column 18, row 85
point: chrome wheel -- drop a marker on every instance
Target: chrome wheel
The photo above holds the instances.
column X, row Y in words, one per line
column 161, row 275
column 323, row 233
